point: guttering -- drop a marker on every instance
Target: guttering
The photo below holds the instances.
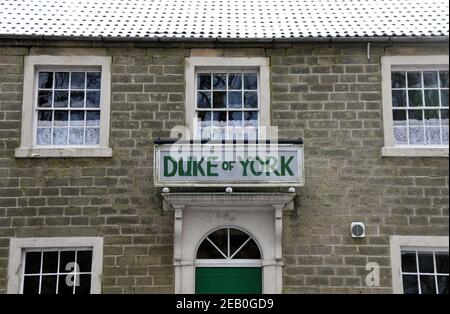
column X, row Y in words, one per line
column 162, row 39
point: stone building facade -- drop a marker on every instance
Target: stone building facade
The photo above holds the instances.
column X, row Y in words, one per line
column 115, row 177
column 330, row 95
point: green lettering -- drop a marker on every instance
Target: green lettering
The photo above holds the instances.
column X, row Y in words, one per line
column 285, row 165
column 271, row 163
column 244, row 164
column 252, row 167
column 210, row 166
column 184, row 172
column 167, row 161
column 198, row 168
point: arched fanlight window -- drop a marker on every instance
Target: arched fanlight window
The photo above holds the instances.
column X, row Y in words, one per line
column 228, row 243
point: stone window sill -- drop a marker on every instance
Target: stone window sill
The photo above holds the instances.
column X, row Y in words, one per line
column 24, row 152
column 415, row 151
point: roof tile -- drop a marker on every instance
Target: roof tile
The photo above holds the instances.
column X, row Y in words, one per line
column 232, row 19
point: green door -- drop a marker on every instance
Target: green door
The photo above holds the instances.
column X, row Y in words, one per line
column 228, row 280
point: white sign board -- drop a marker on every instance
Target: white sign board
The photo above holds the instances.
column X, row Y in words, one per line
column 229, row 165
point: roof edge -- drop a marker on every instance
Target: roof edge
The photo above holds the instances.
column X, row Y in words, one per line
column 229, row 40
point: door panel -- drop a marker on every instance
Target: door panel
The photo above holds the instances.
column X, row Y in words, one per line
column 228, row 280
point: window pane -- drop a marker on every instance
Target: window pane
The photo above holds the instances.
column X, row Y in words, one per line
column 430, row 79
column 93, row 80
column 414, row 79
column 410, row 284
column 61, row 80
column 415, row 98
column 444, row 131
column 442, row 262
column 92, row 136
column 251, row 100
column 76, row 136
column 93, row 99
column 427, row 284
column 205, row 116
column 442, row 284
column 31, row 285
column 432, row 98
column 444, row 98
column 61, row 99
column 204, row 99
column 84, row 260
column 433, row 135
column 33, row 262
column 409, row 262
column 444, row 117
column 249, row 251
column 65, row 284
column 43, row 136
column 45, row 98
column 44, row 118
column 426, row 262
column 77, row 99
column 45, row 80
column 93, row 118
column 77, row 118
column 235, row 81
column 432, row 117
column 399, row 98
column 401, row 135
column 398, row 80
column 220, row 239
column 416, row 136
column 61, row 118
column 237, row 238
column 235, row 100
column 250, row 81
column 443, row 77
column 399, row 117
column 251, row 124
column 235, row 118
column 207, row 251
column 50, row 262
column 219, row 99
column 220, row 118
column 251, row 116
column 60, row 136
column 66, row 257
column 77, row 80
column 415, row 117
column 48, row 285
column 84, row 286
column 219, row 81
column 204, row 81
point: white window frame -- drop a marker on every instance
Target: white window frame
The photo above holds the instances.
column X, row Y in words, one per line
column 18, row 246
column 32, row 65
column 403, row 243
column 388, row 64
column 217, row 64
